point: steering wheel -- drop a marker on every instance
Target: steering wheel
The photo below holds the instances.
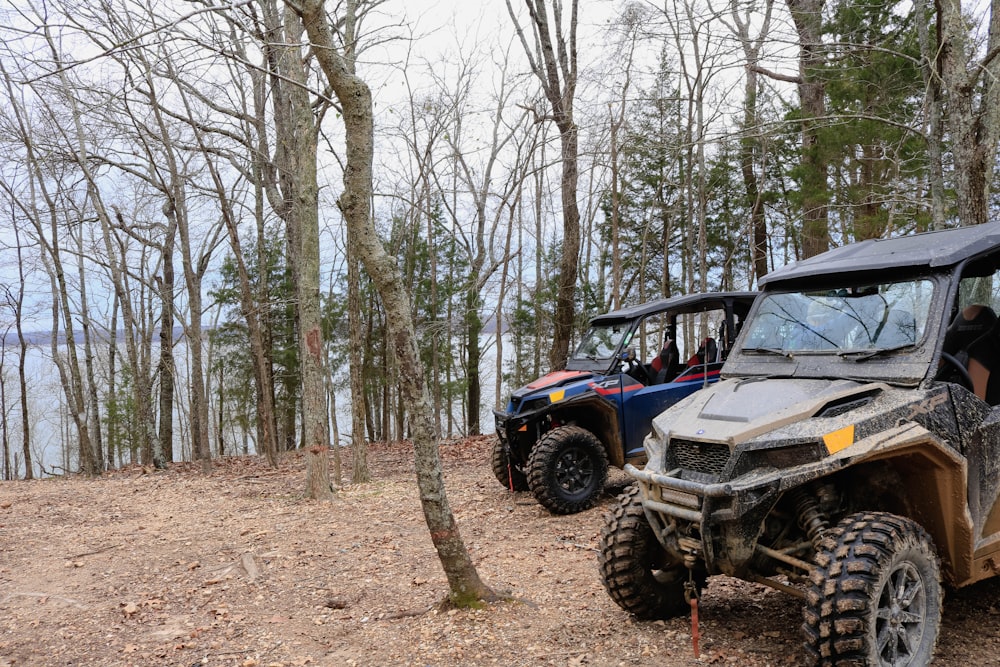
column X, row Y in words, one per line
column 635, row 367
column 963, row 374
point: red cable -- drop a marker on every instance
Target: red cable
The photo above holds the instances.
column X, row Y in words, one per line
column 694, row 626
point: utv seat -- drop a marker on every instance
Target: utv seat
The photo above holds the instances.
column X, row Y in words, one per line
column 666, row 365
column 708, row 353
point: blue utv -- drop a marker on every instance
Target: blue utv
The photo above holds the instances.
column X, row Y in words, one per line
column 558, row 434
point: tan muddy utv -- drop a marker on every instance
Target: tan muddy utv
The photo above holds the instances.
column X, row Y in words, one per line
column 850, row 456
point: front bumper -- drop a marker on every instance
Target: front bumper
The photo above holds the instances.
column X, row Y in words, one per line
column 518, row 433
column 697, row 501
column 725, row 517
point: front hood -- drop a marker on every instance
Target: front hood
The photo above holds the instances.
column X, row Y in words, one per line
column 552, row 380
column 735, row 410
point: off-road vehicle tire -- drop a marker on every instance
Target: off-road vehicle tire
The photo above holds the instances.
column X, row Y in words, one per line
column 510, row 476
column 875, row 597
column 567, row 469
column 635, row 569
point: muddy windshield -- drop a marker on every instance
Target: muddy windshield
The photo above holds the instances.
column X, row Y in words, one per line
column 601, row 341
column 864, row 318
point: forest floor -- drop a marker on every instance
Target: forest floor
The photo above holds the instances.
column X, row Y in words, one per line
column 237, row 569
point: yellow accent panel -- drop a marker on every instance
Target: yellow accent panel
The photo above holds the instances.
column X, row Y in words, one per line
column 557, row 396
column 839, row 440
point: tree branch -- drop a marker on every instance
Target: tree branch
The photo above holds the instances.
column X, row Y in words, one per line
column 775, row 75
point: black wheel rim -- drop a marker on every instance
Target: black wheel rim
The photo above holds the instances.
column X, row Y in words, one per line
column 899, row 621
column 575, row 472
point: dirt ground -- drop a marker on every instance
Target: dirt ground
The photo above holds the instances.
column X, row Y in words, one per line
column 236, row 568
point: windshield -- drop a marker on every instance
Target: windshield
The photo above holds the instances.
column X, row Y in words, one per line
column 857, row 318
column 601, row 341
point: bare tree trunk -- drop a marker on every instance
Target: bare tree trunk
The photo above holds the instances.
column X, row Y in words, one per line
column 434, row 315
column 336, row 476
column 22, row 360
column 93, row 402
column 540, row 193
column 304, row 215
column 748, row 162
column 615, row 298
column 163, row 452
column 932, row 113
column 69, row 366
column 554, row 63
column 142, row 388
column 175, row 209
column 514, row 208
column 808, row 18
column 112, row 394
column 750, row 139
column 194, row 269
column 293, row 191
column 252, row 302
column 355, row 98
column 249, row 308
column 973, row 102
column 359, row 446
column 631, row 22
column 385, row 405
column 5, row 472
column 260, row 336
column 569, row 259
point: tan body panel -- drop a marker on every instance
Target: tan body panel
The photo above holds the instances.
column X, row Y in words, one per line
column 733, row 430
column 937, row 497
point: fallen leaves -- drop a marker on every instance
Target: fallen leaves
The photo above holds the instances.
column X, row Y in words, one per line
column 233, row 569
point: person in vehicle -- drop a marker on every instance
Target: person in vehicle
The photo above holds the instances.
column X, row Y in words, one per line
column 973, row 338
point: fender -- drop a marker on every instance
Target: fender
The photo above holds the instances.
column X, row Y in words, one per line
column 599, row 416
column 936, row 491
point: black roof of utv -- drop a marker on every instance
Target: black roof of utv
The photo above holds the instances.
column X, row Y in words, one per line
column 926, row 250
column 697, row 302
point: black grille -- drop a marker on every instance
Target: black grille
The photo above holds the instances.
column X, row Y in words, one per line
column 706, row 457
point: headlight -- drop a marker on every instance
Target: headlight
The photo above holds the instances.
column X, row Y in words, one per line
column 789, row 457
column 533, row 404
column 778, row 458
